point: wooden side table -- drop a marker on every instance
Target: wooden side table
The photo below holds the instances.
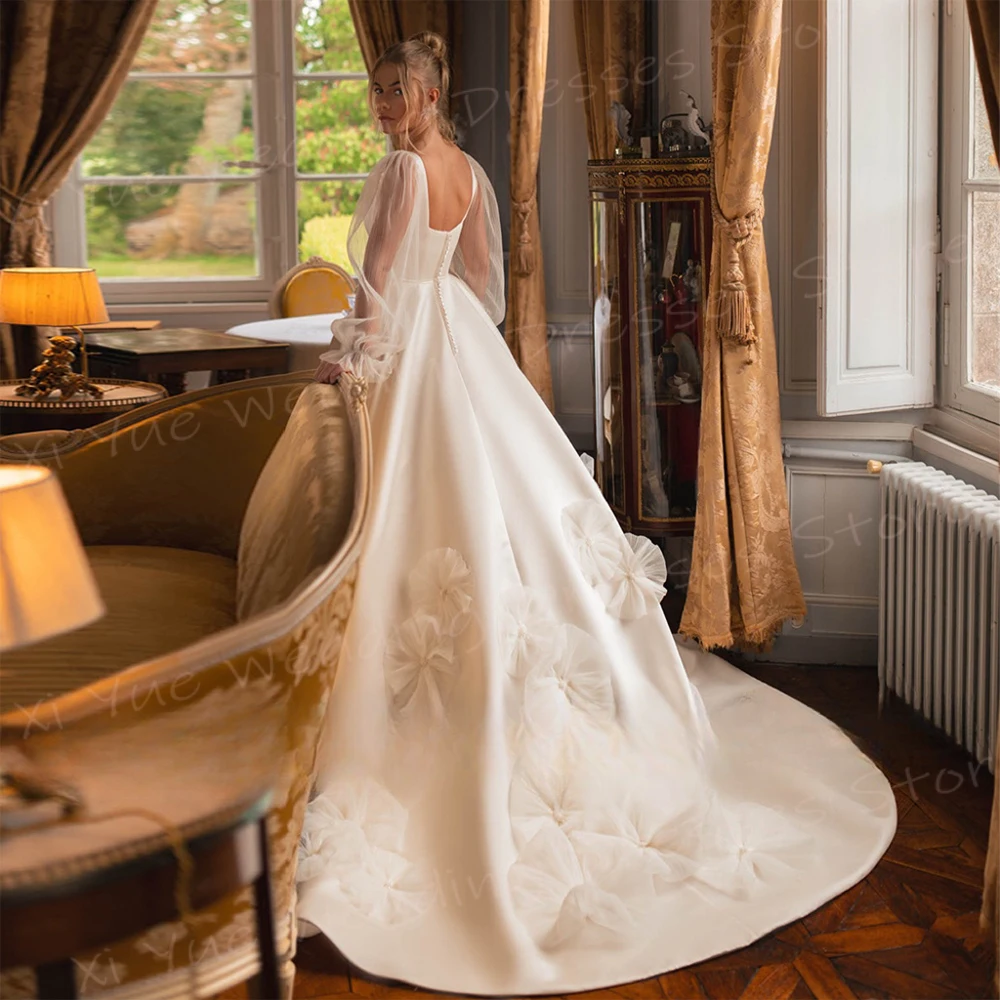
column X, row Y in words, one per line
column 172, row 813
column 165, row 356
column 56, row 906
column 23, row 413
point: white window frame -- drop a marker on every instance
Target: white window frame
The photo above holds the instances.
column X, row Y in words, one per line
column 956, row 395
column 274, row 79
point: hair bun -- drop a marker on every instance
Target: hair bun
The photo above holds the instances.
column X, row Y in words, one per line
column 434, row 42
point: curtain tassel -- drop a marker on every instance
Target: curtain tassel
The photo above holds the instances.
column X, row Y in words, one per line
column 522, row 258
column 735, row 314
column 734, row 310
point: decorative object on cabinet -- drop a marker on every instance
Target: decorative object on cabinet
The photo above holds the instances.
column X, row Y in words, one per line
column 621, row 116
column 651, row 230
column 685, row 133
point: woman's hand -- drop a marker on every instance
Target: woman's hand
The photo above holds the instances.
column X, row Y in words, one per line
column 327, row 371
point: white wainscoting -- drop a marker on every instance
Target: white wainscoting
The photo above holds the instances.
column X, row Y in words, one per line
column 571, row 354
column 834, row 515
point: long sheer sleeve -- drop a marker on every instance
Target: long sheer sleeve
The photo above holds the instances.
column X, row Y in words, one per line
column 478, row 258
column 367, row 341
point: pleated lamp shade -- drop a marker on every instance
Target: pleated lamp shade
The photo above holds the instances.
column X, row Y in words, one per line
column 46, row 584
column 51, row 296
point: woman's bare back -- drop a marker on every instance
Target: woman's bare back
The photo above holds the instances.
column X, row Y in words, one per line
column 449, row 187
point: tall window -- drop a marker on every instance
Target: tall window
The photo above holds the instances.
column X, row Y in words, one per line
column 237, row 146
column 970, row 205
column 336, row 144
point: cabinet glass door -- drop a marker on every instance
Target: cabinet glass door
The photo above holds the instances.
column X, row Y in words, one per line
column 668, row 317
column 610, row 459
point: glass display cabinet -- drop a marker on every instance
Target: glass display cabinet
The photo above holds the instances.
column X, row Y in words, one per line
column 651, row 231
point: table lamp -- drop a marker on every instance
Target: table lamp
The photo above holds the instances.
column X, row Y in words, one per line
column 54, row 296
column 46, row 588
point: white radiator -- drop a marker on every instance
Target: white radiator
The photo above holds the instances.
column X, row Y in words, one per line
column 939, row 602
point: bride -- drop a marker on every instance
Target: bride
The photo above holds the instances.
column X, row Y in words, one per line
column 526, row 785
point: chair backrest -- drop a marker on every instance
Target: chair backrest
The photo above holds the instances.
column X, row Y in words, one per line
column 315, row 286
column 301, row 505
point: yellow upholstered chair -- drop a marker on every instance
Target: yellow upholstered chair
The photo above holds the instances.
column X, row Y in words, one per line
column 315, row 286
column 223, row 527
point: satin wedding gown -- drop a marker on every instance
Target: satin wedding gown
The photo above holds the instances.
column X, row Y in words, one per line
column 526, row 785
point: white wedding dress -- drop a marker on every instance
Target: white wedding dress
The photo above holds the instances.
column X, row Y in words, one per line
column 526, row 786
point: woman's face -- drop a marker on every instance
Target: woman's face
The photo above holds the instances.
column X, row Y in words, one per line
column 388, row 100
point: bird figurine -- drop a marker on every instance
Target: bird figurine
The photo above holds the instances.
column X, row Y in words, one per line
column 694, row 123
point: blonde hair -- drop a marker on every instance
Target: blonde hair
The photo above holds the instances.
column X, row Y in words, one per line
column 422, row 60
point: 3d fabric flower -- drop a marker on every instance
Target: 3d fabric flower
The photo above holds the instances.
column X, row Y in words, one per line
column 528, row 634
column 594, row 537
column 576, row 681
column 343, row 823
column 441, row 585
column 637, row 581
column 420, row 667
column 582, row 898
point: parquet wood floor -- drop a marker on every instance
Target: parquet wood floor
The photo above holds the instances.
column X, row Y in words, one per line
column 909, row 930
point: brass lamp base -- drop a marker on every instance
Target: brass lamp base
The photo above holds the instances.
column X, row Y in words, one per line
column 28, row 795
column 56, row 372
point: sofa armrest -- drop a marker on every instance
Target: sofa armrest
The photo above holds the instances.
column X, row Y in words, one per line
column 176, row 472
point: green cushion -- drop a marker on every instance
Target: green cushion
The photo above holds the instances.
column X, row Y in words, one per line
column 158, row 599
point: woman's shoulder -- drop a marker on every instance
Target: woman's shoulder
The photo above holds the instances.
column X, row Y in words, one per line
column 398, row 160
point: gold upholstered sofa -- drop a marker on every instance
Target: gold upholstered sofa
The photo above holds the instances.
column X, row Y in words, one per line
column 223, row 527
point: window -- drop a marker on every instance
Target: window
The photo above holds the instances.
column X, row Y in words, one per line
column 237, row 146
column 969, row 347
column 336, row 143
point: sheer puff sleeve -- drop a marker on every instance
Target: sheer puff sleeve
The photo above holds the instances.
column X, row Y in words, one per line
column 379, row 238
column 478, row 258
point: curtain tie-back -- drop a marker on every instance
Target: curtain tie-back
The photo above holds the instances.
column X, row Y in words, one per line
column 522, row 258
column 27, row 242
column 735, row 316
column 14, row 205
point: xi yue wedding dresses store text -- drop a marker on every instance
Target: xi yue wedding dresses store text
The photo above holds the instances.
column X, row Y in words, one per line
column 526, row 785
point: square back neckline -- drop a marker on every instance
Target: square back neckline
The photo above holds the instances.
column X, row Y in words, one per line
column 427, row 192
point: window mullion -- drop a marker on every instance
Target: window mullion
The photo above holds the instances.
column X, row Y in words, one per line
column 268, row 56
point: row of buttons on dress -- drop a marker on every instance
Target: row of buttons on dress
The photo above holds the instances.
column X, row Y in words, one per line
column 437, row 284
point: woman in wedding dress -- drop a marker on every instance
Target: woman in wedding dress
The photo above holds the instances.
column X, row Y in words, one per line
column 526, row 786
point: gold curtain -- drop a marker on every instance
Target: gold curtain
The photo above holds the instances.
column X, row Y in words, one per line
column 984, row 22
column 610, row 41
column 744, row 583
column 526, row 329
column 381, row 23
column 61, row 66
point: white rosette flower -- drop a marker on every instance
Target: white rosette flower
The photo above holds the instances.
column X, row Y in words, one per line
column 441, row 585
column 420, row 668
column 575, row 684
column 594, row 536
column 751, row 846
column 663, row 840
column 528, row 634
column 387, row 887
column 583, row 895
column 542, row 793
column 344, row 823
column 636, row 583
